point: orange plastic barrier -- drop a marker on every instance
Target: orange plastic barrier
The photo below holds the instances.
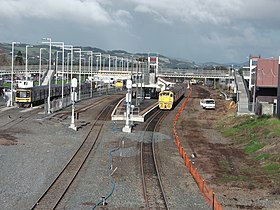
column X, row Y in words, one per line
column 208, row 194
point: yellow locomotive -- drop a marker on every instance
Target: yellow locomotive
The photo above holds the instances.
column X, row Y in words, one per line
column 119, row 84
column 169, row 97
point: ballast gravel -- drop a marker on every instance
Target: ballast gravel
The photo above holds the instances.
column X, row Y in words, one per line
column 44, row 146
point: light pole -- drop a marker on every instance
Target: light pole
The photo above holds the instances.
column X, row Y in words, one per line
column 56, row 65
column 50, row 52
column 91, row 76
column 115, row 57
column 40, row 64
column 50, row 68
column 26, row 60
column 70, row 47
column 67, row 64
column 12, row 72
column 61, row 44
column 57, row 44
column 109, row 62
column 105, row 56
column 127, row 64
column 98, row 54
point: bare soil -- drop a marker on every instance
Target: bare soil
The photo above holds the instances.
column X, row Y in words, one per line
column 233, row 175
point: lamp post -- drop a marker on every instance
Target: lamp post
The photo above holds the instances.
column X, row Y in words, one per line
column 57, row 44
column 40, row 65
column 105, row 56
column 12, row 72
column 67, row 68
column 61, row 44
column 98, row 54
column 70, row 47
column 91, row 76
column 114, row 62
column 50, row 52
column 56, row 65
column 127, row 64
column 109, row 62
column 26, row 60
column 50, row 68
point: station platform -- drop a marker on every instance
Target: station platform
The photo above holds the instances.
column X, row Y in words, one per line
column 138, row 113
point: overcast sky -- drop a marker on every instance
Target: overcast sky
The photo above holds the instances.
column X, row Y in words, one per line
column 199, row 30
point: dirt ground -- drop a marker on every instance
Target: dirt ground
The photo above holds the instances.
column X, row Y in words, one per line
column 224, row 165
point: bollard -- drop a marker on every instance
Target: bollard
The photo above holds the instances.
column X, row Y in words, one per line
column 104, row 203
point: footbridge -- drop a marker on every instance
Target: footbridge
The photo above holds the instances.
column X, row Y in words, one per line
column 105, row 71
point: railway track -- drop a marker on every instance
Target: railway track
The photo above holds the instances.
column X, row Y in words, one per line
column 63, row 115
column 154, row 194
column 54, row 194
column 14, row 120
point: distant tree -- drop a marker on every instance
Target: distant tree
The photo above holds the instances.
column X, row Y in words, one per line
column 19, row 59
column 3, row 58
column 142, row 59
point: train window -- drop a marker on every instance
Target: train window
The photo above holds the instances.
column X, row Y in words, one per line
column 171, row 94
column 23, row 94
column 164, row 94
column 28, row 94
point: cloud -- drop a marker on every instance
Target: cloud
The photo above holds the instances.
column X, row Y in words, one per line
column 198, row 29
column 213, row 12
column 86, row 12
column 188, row 11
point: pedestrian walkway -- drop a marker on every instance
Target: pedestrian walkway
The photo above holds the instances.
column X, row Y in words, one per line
column 48, row 77
column 243, row 104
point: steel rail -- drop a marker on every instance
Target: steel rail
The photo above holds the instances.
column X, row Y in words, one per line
column 151, row 179
column 59, row 186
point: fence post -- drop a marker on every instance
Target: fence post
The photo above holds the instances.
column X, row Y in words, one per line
column 213, row 203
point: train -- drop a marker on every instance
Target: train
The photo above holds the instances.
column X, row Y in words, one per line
column 170, row 96
column 119, row 84
column 36, row 95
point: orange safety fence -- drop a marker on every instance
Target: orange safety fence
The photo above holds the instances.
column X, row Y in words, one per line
column 208, row 194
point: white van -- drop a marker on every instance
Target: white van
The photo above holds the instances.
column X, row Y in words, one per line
column 208, row 103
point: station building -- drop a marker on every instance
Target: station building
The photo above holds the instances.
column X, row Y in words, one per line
column 263, row 84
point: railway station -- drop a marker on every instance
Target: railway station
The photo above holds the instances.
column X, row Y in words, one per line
column 112, row 124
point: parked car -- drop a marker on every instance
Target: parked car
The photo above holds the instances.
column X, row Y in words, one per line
column 208, row 103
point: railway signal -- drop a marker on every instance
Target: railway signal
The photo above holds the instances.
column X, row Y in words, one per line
column 74, row 84
column 127, row 127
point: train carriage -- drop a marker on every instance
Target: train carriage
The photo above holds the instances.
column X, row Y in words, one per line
column 31, row 96
column 169, row 97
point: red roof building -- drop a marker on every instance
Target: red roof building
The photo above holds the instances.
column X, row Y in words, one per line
column 267, row 73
